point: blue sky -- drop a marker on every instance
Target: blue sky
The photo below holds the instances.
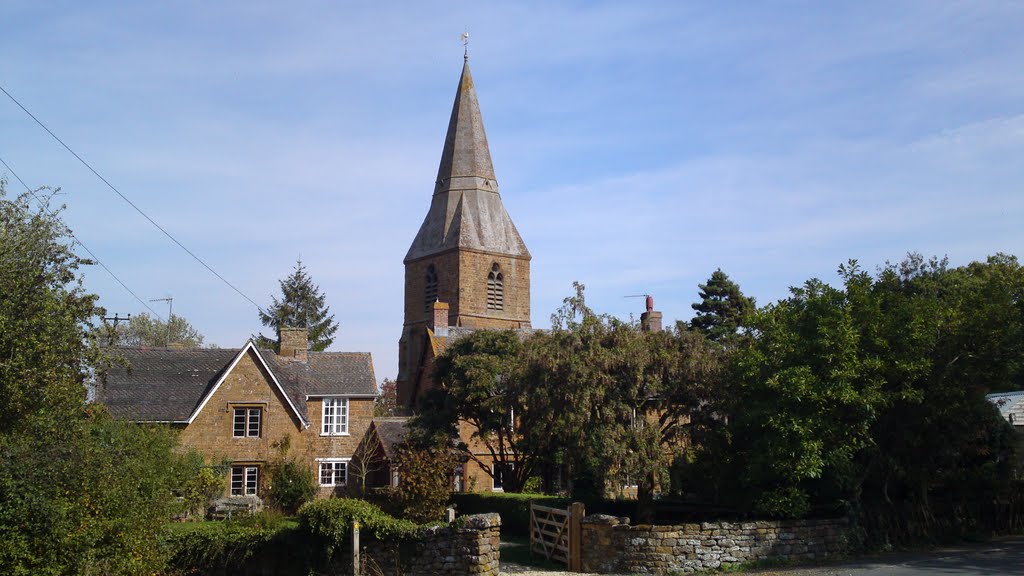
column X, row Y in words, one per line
column 639, row 146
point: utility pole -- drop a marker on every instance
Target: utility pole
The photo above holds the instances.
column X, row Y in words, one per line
column 116, row 319
column 170, row 305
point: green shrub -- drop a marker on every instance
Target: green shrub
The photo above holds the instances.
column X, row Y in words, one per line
column 197, row 483
column 290, row 485
column 533, row 485
column 88, row 498
column 422, row 493
column 330, row 521
column 268, row 519
column 514, row 509
column 214, row 548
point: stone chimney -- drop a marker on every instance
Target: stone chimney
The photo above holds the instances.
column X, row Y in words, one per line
column 294, row 344
column 650, row 321
column 439, row 319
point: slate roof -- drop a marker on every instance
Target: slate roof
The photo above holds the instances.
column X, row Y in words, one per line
column 390, row 431
column 1006, row 401
column 440, row 343
column 466, row 210
column 166, row 385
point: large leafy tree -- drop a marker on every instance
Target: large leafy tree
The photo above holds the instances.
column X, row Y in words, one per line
column 610, row 405
column 723, row 309
column 147, row 331
column 595, row 401
column 301, row 305
column 946, row 337
column 80, row 493
column 870, row 397
column 45, row 317
column 481, row 391
column 806, row 396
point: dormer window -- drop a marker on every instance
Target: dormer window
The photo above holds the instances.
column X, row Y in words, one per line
column 430, row 290
column 495, row 288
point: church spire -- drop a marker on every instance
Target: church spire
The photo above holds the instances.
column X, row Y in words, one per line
column 466, row 210
column 465, row 154
column 467, row 268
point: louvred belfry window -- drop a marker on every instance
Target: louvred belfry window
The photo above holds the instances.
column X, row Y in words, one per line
column 495, row 289
column 430, row 293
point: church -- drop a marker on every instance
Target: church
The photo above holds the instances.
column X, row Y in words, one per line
column 467, row 268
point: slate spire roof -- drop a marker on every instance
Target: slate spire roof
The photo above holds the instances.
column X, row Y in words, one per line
column 466, row 210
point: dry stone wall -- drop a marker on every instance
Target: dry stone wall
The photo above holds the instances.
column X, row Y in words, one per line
column 611, row 545
column 468, row 546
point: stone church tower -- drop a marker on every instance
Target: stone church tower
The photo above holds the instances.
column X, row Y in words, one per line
column 467, row 256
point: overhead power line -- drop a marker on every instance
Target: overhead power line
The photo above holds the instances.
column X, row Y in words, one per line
column 95, row 259
column 130, row 203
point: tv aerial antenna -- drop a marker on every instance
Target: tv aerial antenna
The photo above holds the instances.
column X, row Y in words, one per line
column 170, row 306
column 650, row 300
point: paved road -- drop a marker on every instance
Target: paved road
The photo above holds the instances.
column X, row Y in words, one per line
column 998, row 557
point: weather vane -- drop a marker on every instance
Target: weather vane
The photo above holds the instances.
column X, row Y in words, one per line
column 465, row 44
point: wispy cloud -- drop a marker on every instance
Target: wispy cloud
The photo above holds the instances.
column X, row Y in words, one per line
column 638, row 146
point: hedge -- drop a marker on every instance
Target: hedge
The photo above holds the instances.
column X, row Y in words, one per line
column 267, row 545
column 227, row 547
column 514, row 509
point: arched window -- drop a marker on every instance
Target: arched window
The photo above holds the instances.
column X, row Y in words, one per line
column 495, row 288
column 430, row 290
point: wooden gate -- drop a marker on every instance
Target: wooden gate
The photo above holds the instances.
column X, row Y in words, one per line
column 555, row 533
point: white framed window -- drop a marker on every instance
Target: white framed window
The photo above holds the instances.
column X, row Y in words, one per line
column 335, row 420
column 334, row 471
column 244, row 480
column 246, row 423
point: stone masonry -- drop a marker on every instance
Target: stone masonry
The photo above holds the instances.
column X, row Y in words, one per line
column 466, row 233
column 250, row 385
column 470, row 545
column 611, row 545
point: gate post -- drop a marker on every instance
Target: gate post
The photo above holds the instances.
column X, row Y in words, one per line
column 576, row 513
column 355, row 550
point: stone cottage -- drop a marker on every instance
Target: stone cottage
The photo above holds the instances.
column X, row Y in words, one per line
column 243, row 406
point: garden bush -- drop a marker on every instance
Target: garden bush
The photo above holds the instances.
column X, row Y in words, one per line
column 330, row 522
column 514, row 509
column 228, row 547
column 291, row 484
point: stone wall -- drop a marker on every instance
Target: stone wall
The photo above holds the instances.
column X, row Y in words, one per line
column 470, row 545
column 612, row 545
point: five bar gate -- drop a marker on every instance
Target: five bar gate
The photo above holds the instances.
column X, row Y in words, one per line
column 555, row 533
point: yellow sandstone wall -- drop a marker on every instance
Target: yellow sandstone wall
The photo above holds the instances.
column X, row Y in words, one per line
column 249, row 385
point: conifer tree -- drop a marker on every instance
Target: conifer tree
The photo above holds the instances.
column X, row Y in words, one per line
column 722, row 310
column 301, row 306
